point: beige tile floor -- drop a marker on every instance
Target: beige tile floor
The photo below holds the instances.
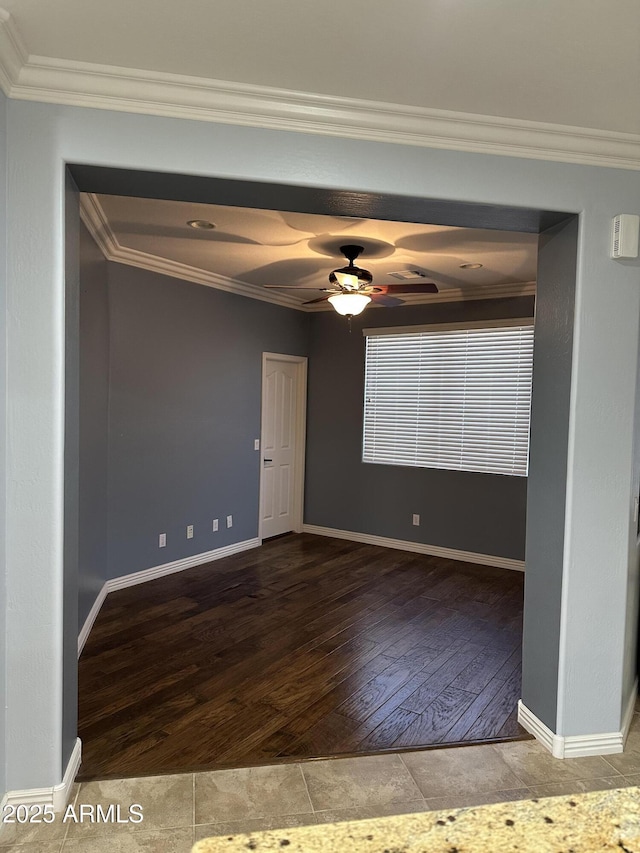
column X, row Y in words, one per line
column 179, row 810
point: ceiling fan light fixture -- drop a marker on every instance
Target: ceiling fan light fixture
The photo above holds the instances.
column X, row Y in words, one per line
column 349, row 304
column 352, row 277
column 348, row 280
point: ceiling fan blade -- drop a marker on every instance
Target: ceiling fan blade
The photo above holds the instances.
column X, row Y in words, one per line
column 292, row 287
column 313, row 301
column 422, row 287
column 386, row 301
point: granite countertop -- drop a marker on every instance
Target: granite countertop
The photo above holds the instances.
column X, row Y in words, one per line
column 581, row 823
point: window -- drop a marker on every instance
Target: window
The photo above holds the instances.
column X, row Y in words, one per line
column 449, row 397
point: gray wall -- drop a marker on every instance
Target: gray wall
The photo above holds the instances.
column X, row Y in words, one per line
column 631, row 671
column 482, row 513
column 71, row 466
column 94, row 423
column 548, row 453
column 632, row 660
column 601, row 481
column 170, row 406
column 3, row 415
column 185, row 400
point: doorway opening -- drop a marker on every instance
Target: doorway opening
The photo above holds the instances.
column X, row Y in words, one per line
column 335, row 495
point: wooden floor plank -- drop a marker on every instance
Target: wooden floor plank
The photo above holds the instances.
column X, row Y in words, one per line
column 473, row 677
column 459, row 731
column 365, row 701
column 437, row 718
column 306, row 646
column 441, row 678
column 389, row 730
column 500, row 708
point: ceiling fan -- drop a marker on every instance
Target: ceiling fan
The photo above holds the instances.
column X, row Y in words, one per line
column 351, row 288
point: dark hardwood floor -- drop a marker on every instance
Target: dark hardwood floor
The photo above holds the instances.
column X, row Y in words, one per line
column 305, row 647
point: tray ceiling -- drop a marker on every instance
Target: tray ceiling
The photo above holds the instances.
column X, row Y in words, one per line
column 248, row 249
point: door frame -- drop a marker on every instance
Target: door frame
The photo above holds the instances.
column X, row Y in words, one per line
column 297, row 509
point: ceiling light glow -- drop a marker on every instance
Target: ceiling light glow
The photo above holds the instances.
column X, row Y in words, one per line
column 349, row 304
column 347, row 280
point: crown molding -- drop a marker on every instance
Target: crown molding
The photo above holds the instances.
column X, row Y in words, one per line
column 95, row 219
column 176, row 269
column 13, row 55
column 85, row 84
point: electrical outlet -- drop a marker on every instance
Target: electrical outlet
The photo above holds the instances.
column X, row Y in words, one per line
column 416, row 519
column 229, row 521
column 162, row 540
column 215, row 525
column 190, row 531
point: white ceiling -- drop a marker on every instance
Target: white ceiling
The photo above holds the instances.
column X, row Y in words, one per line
column 574, row 62
column 356, row 68
column 249, row 248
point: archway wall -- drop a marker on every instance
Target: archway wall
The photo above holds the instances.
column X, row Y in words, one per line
column 3, row 411
column 548, row 461
column 592, row 681
column 600, row 566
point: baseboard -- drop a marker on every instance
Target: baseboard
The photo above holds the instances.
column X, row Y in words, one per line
column 91, row 618
column 416, row 547
column 576, row 746
column 580, row 746
column 542, row 733
column 145, row 575
column 180, row 565
column 627, row 717
column 57, row 795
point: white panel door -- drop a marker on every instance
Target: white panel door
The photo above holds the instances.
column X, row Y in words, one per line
column 279, row 446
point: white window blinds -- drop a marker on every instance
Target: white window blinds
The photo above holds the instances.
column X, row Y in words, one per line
column 449, row 398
